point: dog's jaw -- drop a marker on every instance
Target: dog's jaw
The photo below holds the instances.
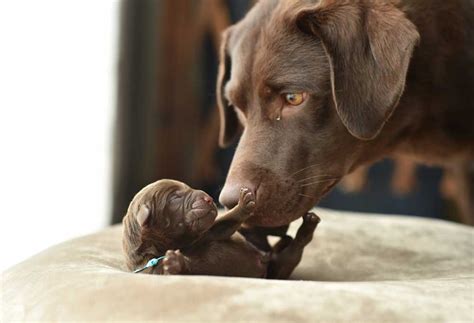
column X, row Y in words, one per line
column 291, row 203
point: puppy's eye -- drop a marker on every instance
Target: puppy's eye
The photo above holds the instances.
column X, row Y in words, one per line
column 175, row 196
column 295, row 98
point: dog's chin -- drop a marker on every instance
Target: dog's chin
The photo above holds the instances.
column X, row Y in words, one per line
column 267, row 219
column 278, row 214
column 201, row 219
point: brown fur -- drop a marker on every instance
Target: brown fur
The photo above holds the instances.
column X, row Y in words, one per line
column 168, row 218
column 383, row 78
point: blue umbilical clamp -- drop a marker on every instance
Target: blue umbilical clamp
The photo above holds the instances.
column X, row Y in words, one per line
column 151, row 263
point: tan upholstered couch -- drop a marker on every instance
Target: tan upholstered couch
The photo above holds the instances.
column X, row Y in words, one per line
column 358, row 268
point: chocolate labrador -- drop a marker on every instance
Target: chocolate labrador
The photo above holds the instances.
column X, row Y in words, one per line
column 168, row 218
column 319, row 88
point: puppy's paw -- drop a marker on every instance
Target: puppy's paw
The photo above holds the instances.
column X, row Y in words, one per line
column 304, row 235
column 311, row 217
column 247, row 199
column 173, row 263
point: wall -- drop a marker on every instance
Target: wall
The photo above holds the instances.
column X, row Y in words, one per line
column 57, row 97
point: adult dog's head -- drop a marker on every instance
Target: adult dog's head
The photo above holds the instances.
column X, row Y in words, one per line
column 308, row 85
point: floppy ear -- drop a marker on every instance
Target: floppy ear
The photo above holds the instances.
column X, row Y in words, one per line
column 369, row 45
column 229, row 124
column 143, row 214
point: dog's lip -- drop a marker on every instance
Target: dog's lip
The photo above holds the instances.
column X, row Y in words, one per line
column 329, row 186
column 296, row 215
column 203, row 212
column 324, row 191
column 203, row 219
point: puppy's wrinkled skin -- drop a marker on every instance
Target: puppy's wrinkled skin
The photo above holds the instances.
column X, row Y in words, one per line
column 169, row 218
column 380, row 78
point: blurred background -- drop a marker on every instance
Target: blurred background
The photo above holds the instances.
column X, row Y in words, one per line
column 99, row 98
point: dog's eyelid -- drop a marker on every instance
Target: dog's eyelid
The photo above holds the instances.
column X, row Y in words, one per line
column 280, row 87
column 176, row 195
column 273, row 86
column 294, row 89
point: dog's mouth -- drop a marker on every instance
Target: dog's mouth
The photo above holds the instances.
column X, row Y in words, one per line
column 310, row 198
column 201, row 218
column 273, row 212
column 326, row 189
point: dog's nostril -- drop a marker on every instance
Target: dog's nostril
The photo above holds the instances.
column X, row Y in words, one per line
column 208, row 199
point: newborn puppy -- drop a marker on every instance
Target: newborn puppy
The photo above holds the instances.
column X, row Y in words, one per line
column 169, row 218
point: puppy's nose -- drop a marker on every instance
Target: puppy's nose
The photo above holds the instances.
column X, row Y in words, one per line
column 203, row 201
column 230, row 194
column 208, row 199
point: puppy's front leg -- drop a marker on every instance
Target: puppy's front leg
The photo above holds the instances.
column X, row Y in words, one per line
column 230, row 222
column 258, row 236
column 288, row 252
column 174, row 263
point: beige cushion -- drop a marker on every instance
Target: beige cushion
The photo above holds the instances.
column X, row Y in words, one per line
column 358, row 268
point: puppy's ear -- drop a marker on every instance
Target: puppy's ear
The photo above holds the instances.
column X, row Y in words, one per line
column 369, row 45
column 230, row 127
column 143, row 214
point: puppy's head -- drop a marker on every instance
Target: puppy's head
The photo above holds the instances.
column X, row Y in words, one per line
column 167, row 214
column 308, row 85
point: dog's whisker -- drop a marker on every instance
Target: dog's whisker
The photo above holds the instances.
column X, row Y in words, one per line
column 304, row 168
column 317, row 182
column 304, row 195
column 316, row 176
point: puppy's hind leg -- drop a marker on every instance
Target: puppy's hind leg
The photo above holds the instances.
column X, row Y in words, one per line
column 304, row 235
column 288, row 252
column 258, row 236
column 282, row 244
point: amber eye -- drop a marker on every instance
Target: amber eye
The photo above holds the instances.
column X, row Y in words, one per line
column 295, row 98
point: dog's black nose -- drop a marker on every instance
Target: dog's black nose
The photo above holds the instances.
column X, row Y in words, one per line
column 230, row 194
